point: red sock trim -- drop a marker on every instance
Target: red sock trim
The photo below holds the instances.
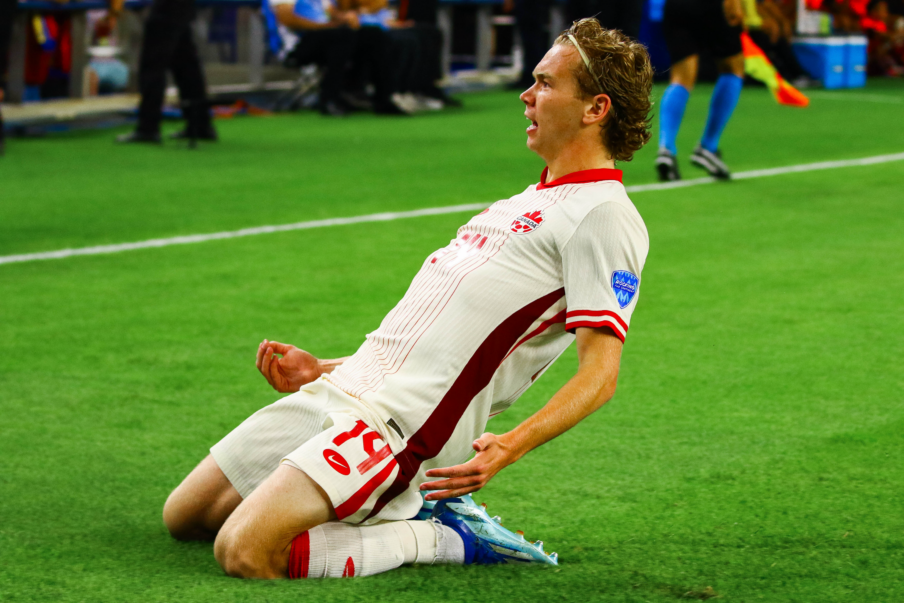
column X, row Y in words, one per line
column 299, row 556
column 349, row 571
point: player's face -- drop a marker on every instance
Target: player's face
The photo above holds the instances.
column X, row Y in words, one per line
column 553, row 106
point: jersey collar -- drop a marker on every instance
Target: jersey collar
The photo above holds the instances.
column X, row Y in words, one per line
column 579, row 177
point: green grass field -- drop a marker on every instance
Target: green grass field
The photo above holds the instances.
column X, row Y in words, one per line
column 754, row 450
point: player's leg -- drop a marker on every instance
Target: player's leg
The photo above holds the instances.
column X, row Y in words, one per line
column 201, row 504
column 679, row 29
column 725, row 42
column 287, row 529
column 256, row 539
column 724, row 100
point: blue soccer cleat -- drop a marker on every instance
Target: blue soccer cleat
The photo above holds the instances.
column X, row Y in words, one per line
column 486, row 541
column 426, row 508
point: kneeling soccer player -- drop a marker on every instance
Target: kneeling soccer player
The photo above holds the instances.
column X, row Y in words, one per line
column 328, row 481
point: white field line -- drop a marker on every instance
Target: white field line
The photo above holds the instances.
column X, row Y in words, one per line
column 434, row 211
column 856, row 97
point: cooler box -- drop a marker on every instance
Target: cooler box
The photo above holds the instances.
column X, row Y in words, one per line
column 824, row 58
column 855, row 65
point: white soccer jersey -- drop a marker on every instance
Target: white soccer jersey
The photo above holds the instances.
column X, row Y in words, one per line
column 489, row 313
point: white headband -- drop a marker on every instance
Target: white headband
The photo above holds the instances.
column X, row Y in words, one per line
column 586, row 59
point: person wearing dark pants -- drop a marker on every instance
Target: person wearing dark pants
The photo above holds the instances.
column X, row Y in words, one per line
column 623, row 15
column 329, row 38
column 7, row 13
column 168, row 45
column 532, row 23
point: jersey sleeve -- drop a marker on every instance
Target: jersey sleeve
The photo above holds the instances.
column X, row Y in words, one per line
column 601, row 264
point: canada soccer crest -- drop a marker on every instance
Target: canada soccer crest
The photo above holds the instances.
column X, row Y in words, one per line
column 529, row 222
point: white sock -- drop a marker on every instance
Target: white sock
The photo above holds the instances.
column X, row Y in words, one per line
column 337, row 550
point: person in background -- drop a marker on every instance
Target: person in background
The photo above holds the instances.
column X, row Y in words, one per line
column 623, row 15
column 168, row 46
column 886, row 40
column 689, row 26
column 415, row 57
column 769, row 27
column 7, row 12
column 532, row 24
column 423, row 14
column 328, row 37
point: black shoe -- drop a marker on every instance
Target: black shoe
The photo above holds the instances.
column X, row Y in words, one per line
column 137, row 136
column 667, row 166
column 333, row 109
column 208, row 133
column 711, row 162
column 356, row 101
column 389, row 108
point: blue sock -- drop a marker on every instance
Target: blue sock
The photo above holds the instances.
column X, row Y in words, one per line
column 674, row 101
column 725, row 98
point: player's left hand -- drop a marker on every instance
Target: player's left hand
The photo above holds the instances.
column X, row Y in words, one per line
column 493, row 454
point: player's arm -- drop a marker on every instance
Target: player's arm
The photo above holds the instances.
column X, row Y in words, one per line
column 599, row 354
column 294, row 368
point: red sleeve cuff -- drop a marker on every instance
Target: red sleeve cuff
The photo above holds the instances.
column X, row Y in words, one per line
column 596, row 319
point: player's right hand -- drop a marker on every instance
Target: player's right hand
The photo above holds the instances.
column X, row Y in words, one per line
column 289, row 373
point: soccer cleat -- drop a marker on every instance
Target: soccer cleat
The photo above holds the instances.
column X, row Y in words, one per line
column 667, row 166
column 486, row 541
column 427, row 507
column 711, row 162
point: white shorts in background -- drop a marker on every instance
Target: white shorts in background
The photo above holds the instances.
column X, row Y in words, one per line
column 319, row 430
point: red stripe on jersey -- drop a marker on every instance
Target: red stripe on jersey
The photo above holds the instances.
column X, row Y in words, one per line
column 558, row 318
column 299, row 556
column 429, row 440
column 574, row 313
column 356, row 500
column 605, row 323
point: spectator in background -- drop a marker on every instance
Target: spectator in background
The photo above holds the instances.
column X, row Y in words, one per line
column 7, row 13
column 886, row 40
column 423, row 15
column 415, row 57
column 532, row 23
column 328, row 38
column 168, row 45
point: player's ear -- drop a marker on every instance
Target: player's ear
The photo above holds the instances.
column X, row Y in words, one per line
column 597, row 109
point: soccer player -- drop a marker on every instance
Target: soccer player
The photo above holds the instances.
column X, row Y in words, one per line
column 688, row 26
column 326, row 481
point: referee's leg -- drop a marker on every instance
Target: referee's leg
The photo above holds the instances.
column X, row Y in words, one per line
column 202, row 503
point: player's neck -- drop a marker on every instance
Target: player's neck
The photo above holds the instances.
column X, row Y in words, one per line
column 577, row 158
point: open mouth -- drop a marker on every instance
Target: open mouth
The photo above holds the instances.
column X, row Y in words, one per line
column 533, row 125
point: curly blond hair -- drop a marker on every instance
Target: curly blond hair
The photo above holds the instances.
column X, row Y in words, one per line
column 622, row 68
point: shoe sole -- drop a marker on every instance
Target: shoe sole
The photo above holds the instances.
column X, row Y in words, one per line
column 667, row 172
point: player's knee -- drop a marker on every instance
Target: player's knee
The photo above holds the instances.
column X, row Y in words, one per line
column 239, row 560
column 182, row 519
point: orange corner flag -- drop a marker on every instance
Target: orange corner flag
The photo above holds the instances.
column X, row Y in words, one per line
column 757, row 66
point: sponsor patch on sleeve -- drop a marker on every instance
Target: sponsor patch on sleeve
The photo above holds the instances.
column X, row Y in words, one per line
column 624, row 284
